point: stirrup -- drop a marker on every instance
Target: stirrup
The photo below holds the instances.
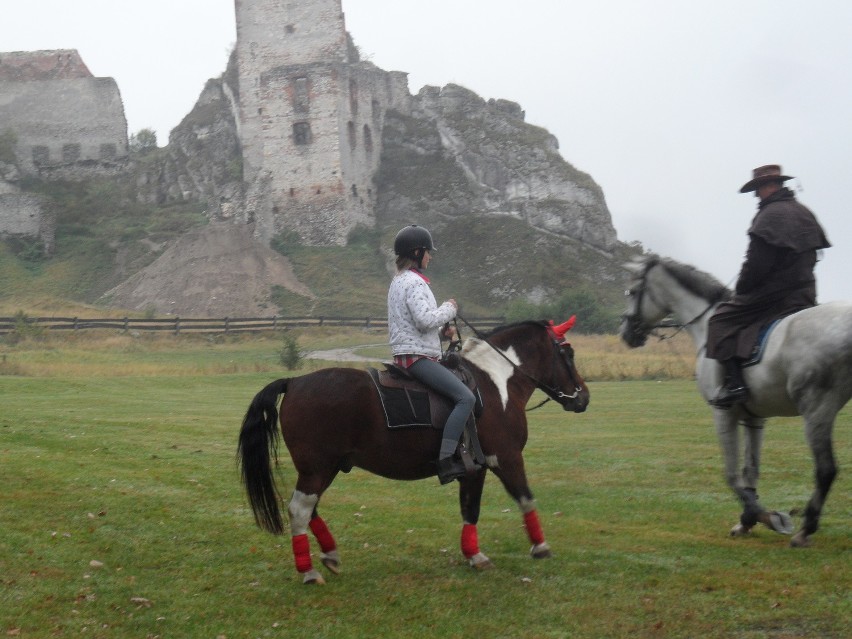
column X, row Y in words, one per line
column 728, row 397
column 450, row 468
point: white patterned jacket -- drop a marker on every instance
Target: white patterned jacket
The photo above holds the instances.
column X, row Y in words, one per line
column 414, row 317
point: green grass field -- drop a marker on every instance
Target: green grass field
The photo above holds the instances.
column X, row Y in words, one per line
column 122, row 515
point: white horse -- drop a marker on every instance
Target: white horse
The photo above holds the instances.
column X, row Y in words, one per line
column 805, row 369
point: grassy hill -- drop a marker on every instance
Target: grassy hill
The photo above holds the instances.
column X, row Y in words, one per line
column 494, row 265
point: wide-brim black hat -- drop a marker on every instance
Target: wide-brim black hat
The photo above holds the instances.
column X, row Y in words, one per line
column 762, row 175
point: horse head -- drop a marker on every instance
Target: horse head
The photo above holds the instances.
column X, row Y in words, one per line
column 636, row 322
column 663, row 287
column 539, row 352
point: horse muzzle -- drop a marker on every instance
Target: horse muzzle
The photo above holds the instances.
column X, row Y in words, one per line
column 632, row 333
column 577, row 401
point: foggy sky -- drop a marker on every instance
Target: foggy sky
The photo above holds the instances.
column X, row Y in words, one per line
column 668, row 105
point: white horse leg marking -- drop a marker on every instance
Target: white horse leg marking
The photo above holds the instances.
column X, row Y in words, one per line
column 300, row 509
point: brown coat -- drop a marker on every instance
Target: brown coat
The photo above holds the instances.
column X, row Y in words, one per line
column 776, row 279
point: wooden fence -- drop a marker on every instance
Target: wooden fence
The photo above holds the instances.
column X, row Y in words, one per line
column 178, row 325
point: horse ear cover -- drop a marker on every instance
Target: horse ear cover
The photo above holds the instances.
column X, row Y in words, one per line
column 563, row 328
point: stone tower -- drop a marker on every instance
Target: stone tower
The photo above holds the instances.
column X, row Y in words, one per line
column 310, row 118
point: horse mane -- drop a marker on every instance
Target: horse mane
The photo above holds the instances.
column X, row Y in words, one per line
column 506, row 327
column 695, row 281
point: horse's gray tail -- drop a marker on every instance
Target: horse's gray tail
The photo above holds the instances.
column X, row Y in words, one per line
column 257, row 455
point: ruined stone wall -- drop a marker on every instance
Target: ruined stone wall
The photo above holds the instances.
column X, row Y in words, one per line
column 27, row 215
column 68, row 124
column 28, row 66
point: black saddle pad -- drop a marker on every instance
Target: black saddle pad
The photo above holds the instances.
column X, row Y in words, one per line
column 407, row 403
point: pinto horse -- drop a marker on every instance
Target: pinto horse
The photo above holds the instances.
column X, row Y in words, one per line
column 805, row 369
column 332, row 420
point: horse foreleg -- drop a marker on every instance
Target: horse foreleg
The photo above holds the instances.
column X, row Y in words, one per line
column 743, row 483
column 511, row 473
column 470, row 498
column 540, row 548
column 819, row 439
column 300, row 509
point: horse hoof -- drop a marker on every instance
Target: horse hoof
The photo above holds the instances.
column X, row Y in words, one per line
column 800, row 540
column 739, row 531
column 313, row 577
column 780, row 522
column 480, row 562
column 541, row 551
column 331, row 562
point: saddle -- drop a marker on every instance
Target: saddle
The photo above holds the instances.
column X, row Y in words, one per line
column 409, row 404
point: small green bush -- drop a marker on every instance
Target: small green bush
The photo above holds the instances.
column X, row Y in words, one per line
column 290, row 356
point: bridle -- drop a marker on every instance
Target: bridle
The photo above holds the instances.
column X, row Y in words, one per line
column 637, row 327
column 559, row 352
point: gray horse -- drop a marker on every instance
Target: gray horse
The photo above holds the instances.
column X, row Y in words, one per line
column 805, row 369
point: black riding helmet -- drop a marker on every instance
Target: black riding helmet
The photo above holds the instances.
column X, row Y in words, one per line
column 411, row 238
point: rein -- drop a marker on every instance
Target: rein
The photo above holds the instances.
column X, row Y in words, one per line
column 550, row 391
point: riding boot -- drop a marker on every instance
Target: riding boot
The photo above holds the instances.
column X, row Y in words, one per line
column 734, row 390
column 450, row 468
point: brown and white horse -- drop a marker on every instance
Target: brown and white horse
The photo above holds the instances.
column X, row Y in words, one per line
column 332, row 420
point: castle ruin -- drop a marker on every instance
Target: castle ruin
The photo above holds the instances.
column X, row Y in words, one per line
column 57, row 121
column 310, row 120
column 67, row 123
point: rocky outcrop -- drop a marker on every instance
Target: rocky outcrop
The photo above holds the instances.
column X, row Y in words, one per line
column 202, row 162
column 458, row 155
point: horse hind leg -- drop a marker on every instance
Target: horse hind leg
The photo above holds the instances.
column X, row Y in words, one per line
column 819, row 439
column 328, row 547
column 301, row 509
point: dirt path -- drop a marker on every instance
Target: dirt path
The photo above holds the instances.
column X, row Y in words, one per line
column 344, row 354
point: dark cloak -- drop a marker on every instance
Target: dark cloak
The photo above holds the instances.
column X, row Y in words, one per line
column 776, row 279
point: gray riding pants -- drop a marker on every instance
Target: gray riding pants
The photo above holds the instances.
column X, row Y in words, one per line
column 437, row 377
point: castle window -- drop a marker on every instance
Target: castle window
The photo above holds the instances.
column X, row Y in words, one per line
column 376, row 108
column 41, row 155
column 354, row 190
column 352, row 135
column 108, row 152
column 70, row 152
column 368, row 139
column 289, row 28
column 301, row 133
column 301, row 97
column 353, row 97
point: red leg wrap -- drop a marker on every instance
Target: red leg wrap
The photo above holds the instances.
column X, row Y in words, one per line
column 302, row 553
column 533, row 527
column 321, row 532
column 469, row 540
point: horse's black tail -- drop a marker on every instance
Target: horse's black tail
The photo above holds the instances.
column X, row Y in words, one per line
column 257, row 454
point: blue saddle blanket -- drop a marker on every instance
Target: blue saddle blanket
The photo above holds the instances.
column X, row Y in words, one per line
column 760, row 347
